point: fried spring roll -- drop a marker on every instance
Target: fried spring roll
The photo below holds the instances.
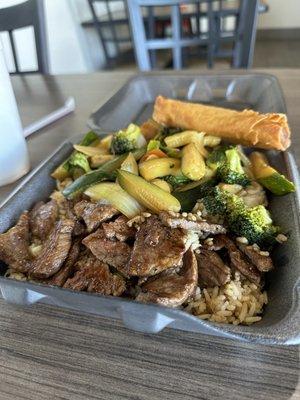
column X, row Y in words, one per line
column 248, row 127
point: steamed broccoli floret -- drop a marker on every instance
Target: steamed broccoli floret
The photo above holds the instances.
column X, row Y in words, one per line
column 226, row 161
column 220, row 202
column 176, row 181
column 217, row 157
column 253, row 223
column 79, row 160
column 215, row 202
column 127, row 140
column 231, row 171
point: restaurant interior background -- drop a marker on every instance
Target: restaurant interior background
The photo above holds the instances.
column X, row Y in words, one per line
column 74, row 45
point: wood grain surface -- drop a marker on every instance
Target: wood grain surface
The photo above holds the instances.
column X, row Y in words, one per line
column 50, row 353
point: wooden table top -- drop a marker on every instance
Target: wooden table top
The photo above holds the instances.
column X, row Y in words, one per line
column 50, row 353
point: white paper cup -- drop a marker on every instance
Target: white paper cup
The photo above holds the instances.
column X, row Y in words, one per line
column 14, row 160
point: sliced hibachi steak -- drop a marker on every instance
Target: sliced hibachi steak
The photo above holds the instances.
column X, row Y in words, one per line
column 172, row 288
column 55, row 250
column 94, row 214
column 42, row 218
column 156, row 248
column 119, row 229
column 95, row 276
column 211, row 269
column 204, row 228
column 14, row 245
column 239, row 261
column 109, row 251
column 60, row 277
column 263, row 263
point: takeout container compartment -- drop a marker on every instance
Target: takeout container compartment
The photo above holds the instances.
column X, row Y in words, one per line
column 134, row 102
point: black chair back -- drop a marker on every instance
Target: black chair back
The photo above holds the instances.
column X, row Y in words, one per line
column 28, row 13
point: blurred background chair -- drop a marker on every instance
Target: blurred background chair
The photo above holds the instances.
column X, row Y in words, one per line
column 108, row 28
column 28, row 13
column 217, row 29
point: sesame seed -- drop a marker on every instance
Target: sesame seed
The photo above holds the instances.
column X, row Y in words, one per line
column 184, row 214
column 197, row 251
column 264, row 253
column 146, row 215
column 255, row 247
column 281, row 238
column 242, row 240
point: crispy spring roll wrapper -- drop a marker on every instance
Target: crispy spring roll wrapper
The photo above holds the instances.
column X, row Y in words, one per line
column 249, row 128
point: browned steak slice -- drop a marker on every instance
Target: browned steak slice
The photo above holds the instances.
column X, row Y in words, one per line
column 42, row 218
column 119, row 229
column 109, row 251
column 156, row 248
column 60, row 277
column 94, row 214
column 262, row 262
column 204, row 228
column 172, row 288
column 218, row 243
column 14, row 245
column 238, row 260
column 211, row 269
column 55, row 250
column 94, row 276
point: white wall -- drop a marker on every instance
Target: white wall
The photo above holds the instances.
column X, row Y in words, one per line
column 66, row 45
column 281, row 14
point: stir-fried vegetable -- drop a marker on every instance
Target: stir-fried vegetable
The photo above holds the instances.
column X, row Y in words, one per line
column 173, row 153
column 188, row 198
column 127, row 140
column 193, row 164
column 253, row 223
column 105, row 143
column 151, row 129
column 268, row 176
column 155, row 153
column 153, row 144
column 130, row 164
column 97, row 161
column 181, row 139
column 116, row 196
column 159, row 167
column 217, row 157
column 162, row 184
column 65, row 169
column 231, row 171
column 79, row 160
column 105, row 172
column 177, row 181
column 222, row 180
column 211, row 141
column 150, row 196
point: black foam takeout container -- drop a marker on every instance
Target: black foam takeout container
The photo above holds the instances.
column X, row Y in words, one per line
column 134, row 103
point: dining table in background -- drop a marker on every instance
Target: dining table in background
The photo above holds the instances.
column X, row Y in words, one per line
column 52, row 353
